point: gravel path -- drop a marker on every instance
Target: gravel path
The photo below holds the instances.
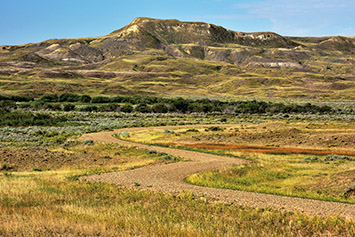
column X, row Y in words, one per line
column 170, row 178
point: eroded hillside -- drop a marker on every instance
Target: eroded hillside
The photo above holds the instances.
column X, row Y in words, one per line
column 173, row 58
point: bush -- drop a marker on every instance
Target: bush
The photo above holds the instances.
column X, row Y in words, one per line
column 180, row 104
column 127, row 108
column 17, row 98
column 68, row 107
column 20, row 118
column 143, row 108
column 335, row 157
column 49, row 98
column 7, row 104
column 3, row 97
column 118, row 99
column 85, row 98
column 109, row 108
column 6, row 167
column 160, row 108
column 54, row 107
column 88, row 108
column 123, row 134
column 88, row 142
column 68, row 97
column 214, row 129
column 101, row 99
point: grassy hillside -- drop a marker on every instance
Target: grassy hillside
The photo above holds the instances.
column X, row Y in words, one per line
column 173, row 58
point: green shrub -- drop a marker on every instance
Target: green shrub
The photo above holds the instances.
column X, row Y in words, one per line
column 17, row 98
column 21, row 118
column 88, row 142
column 160, row 108
column 143, row 108
column 127, row 108
column 54, row 107
column 101, row 99
column 68, row 97
column 49, row 98
column 85, row 98
column 180, row 104
column 68, row 107
column 214, row 129
column 88, row 108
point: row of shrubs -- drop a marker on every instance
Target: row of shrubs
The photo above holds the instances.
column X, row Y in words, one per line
column 25, row 118
column 17, row 98
column 269, row 107
column 164, row 105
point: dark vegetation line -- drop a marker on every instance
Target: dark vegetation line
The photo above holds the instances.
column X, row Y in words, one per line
column 147, row 104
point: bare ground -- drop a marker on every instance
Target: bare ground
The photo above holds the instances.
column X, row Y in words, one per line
column 170, row 178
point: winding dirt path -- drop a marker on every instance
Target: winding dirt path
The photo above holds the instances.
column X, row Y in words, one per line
column 170, row 178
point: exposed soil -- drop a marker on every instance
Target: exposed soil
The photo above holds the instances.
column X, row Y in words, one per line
column 29, row 159
column 170, row 178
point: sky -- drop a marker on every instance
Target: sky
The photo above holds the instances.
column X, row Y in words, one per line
column 25, row 21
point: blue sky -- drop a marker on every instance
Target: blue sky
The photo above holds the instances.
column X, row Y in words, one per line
column 24, row 21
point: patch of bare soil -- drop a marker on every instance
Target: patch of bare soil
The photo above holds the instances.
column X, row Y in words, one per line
column 170, row 178
column 29, row 159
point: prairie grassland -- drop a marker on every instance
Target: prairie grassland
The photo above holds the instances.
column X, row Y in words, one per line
column 190, row 78
column 290, row 175
column 93, row 158
column 56, row 203
column 296, row 170
column 329, row 135
column 41, row 195
column 48, row 204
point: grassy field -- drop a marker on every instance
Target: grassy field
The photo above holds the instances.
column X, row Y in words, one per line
column 41, row 194
column 292, row 159
column 53, row 202
column 154, row 72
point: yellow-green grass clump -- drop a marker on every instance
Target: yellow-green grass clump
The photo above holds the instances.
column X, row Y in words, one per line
column 290, row 175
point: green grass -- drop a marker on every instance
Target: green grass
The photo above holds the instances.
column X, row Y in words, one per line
column 287, row 175
column 191, row 77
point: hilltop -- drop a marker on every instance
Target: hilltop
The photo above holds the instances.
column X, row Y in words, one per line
column 174, row 58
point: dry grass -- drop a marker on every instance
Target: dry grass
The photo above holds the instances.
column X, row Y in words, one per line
column 75, row 157
column 54, row 202
column 279, row 135
column 264, row 149
column 49, row 204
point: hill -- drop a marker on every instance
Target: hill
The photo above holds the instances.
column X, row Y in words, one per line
column 192, row 59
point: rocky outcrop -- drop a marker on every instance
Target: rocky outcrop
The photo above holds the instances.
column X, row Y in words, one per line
column 195, row 40
column 165, row 32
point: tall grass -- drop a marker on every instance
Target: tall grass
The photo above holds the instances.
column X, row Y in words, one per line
column 48, row 204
